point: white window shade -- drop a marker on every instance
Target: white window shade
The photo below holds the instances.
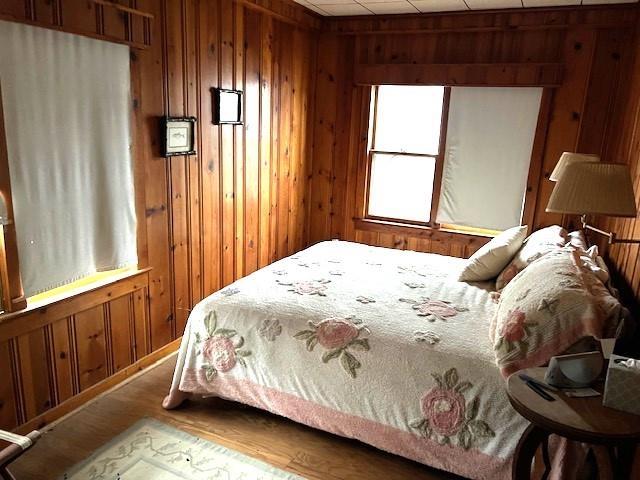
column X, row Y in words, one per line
column 67, row 112
column 488, row 150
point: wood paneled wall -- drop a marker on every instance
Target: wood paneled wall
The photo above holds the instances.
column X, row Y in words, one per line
column 588, row 46
column 623, row 146
column 240, row 203
column 204, row 220
column 51, row 354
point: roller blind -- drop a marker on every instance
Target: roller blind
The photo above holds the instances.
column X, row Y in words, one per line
column 488, row 149
column 66, row 102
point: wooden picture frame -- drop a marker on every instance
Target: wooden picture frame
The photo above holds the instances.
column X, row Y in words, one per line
column 227, row 106
column 179, row 136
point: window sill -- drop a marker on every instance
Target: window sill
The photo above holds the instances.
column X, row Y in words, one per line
column 70, row 294
column 419, row 231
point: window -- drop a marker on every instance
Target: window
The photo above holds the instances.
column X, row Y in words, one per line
column 67, row 158
column 456, row 156
column 405, row 154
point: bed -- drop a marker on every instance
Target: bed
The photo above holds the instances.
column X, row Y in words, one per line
column 381, row 345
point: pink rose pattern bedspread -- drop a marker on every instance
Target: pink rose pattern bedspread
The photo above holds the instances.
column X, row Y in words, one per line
column 381, row 345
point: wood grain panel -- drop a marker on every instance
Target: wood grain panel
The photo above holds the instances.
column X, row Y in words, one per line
column 251, row 187
column 121, row 326
column 8, row 404
column 91, row 346
column 141, row 330
column 622, row 145
column 34, row 372
column 157, row 212
column 63, row 359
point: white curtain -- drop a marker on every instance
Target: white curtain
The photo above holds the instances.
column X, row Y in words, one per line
column 66, row 102
column 489, row 141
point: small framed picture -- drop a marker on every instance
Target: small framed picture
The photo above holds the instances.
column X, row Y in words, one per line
column 179, row 136
column 227, row 106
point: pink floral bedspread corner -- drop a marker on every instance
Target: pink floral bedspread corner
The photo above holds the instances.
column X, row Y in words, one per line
column 380, row 345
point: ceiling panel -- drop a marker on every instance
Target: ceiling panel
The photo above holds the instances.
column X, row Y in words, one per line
column 345, row 9
column 608, row 2
column 387, row 7
column 491, row 4
column 331, row 2
column 439, row 5
column 550, row 3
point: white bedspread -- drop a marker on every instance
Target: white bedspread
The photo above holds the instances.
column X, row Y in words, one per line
column 371, row 343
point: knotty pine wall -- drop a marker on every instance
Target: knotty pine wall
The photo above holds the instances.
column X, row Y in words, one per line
column 589, row 47
column 623, row 146
column 204, row 220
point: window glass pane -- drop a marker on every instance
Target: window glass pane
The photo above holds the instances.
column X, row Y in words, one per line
column 408, row 118
column 401, row 187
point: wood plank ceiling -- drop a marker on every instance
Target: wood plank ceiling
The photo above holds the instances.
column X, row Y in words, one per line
column 386, row 7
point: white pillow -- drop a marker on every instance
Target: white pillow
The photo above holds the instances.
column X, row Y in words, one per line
column 577, row 239
column 538, row 244
column 491, row 258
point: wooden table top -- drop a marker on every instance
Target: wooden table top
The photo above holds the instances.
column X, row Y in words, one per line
column 581, row 419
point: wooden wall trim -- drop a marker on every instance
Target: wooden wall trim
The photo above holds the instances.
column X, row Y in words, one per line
column 10, row 281
column 286, row 11
column 139, row 40
column 438, row 234
column 470, row 74
column 537, row 159
column 26, row 321
column 512, row 20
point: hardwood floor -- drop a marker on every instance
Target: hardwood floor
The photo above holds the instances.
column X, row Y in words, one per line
column 278, row 441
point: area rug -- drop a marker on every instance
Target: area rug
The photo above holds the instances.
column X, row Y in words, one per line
column 151, row 450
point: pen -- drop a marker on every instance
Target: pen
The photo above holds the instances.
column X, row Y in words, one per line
column 540, row 391
column 546, row 386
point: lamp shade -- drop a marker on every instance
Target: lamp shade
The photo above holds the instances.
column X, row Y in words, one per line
column 594, row 188
column 567, row 158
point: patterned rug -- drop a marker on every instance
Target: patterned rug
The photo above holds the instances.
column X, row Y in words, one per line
column 152, row 450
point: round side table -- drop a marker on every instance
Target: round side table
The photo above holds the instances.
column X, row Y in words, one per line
column 580, row 419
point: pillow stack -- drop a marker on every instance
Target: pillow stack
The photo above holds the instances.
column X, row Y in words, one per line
column 548, row 307
column 553, row 294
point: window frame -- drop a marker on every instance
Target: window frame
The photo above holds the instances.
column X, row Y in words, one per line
column 13, row 298
column 438, row 157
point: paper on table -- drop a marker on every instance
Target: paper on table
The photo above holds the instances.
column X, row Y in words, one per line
column 581, row 392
